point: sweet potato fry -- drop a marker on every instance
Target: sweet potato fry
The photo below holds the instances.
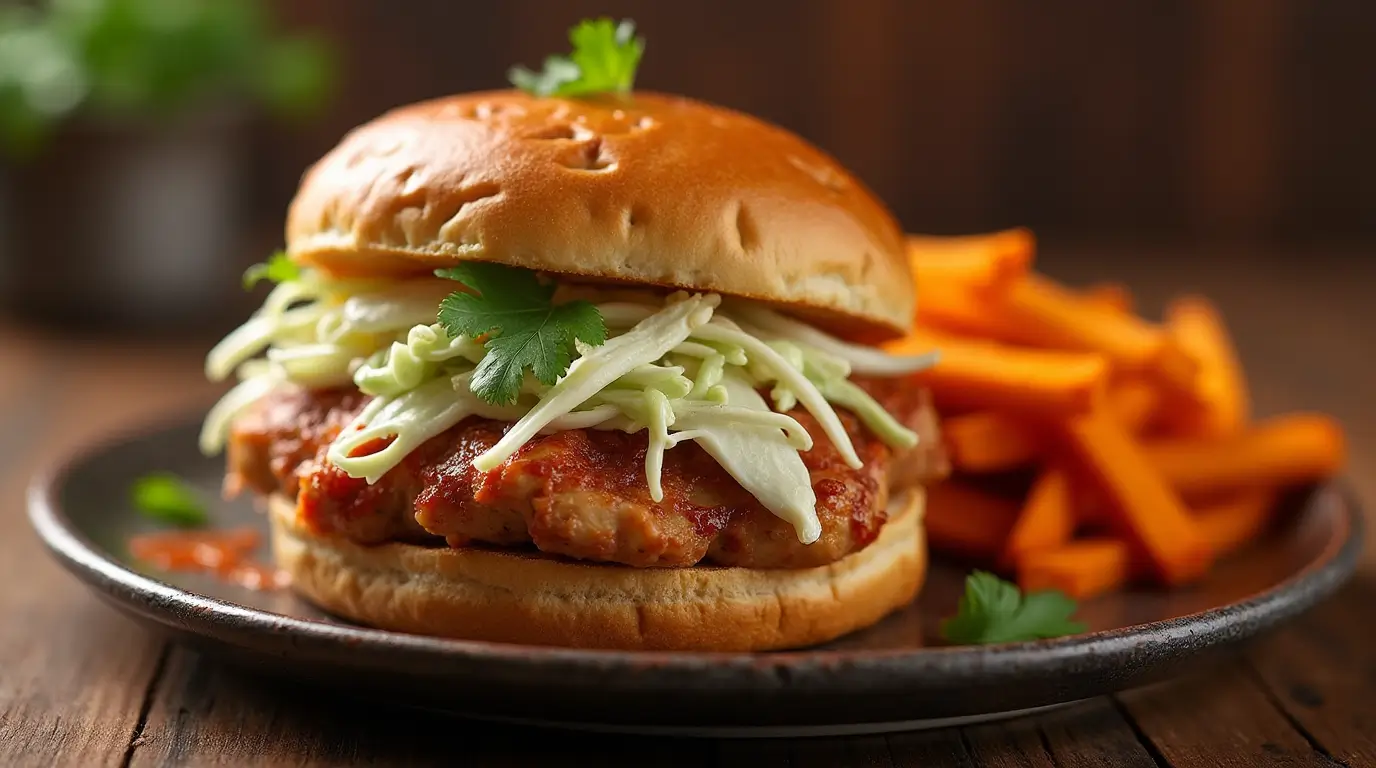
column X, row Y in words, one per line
column 962, row 311
column 973, row 261
column 1089, row 567
column 967, row 522
column 978, row 375
column 1220, row 402
column 1231, row 523
column 988, row 441
column 1135, row 403
column 1282, row 451
column 1145, row 510
column 1114, row 296
column 1081, row 569
column 1047, row 518
column 1062, row 320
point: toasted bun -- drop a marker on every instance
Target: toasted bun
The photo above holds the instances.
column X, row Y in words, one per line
column 646, row 189
column 519, row 597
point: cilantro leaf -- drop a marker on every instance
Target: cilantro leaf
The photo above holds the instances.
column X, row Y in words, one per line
column 278, row 268
column 165, row 498
column 559, row 71
column 994, row 611
column 604, row 59
column 525, row 329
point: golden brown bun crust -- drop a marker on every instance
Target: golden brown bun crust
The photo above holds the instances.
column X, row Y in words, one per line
column 504, row 596
column 645, row 189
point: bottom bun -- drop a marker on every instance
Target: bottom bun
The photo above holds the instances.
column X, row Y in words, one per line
column 527, row 597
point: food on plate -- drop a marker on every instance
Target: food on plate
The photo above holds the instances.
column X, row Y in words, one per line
column 1092, row 565
column 165, row 498
column 169, row 501
column 579, row 365
column 1129, row 445
column 229, row 555
column 969, row 522
column 994, row 611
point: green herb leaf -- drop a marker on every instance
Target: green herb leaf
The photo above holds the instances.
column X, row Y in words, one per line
column 558, row 73
column 604, row 59
column 165, row 498
column 994, row 611
column 278, row 268
column 525, row 329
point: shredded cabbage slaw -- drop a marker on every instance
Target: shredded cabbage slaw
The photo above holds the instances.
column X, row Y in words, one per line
column 689, row 367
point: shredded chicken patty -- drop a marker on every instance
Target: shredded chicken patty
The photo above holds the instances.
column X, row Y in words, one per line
column 580, row 493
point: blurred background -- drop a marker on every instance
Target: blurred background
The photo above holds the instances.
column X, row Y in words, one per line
column 148, row 148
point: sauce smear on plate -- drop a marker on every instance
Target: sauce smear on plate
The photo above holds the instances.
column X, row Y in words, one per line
column 226, row 554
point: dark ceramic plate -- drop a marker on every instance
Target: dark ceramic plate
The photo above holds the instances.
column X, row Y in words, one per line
column 889, row 677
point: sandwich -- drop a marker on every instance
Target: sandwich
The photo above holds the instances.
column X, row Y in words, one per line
column 590, row 368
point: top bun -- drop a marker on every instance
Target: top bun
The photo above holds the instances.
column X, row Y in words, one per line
column 646, row 188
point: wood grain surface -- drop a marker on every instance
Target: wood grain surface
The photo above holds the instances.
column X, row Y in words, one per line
column 82, row 686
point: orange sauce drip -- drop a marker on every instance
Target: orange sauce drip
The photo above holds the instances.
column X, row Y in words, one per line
column 225, row 554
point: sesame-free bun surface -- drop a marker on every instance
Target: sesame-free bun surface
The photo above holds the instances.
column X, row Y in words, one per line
column 525, row 597
column 643, row 189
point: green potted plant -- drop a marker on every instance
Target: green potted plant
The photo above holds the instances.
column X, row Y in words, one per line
column 122, row 148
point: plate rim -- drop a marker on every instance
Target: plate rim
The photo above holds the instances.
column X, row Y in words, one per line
column 188, row 611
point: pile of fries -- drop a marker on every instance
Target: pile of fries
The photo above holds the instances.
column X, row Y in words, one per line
column 1143, row 463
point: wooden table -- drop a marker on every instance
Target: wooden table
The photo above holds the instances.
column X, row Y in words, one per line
column 81, row 685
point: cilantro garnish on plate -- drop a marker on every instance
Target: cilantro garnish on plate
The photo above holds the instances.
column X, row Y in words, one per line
column 278, row 269
column 165, row 498
column 995, row 611
column 604, row 59
column 525, row 329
